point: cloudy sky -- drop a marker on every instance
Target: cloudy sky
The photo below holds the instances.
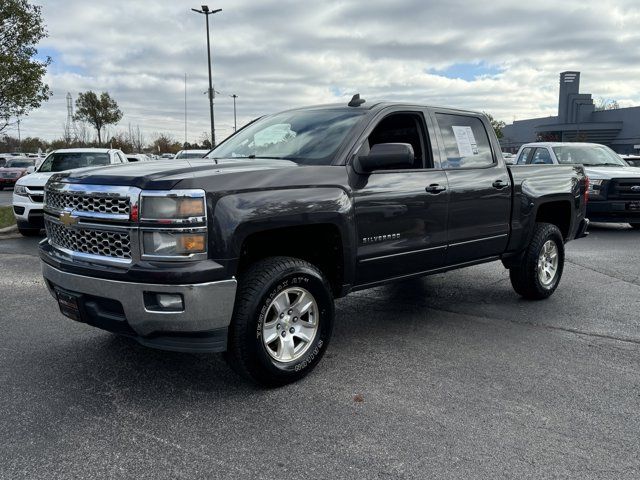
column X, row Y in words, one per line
column 502, row 56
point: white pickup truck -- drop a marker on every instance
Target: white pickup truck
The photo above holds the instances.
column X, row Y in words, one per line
column 28, row 192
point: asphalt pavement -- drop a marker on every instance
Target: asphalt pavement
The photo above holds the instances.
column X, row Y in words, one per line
column 5, row 197
column 451, row 376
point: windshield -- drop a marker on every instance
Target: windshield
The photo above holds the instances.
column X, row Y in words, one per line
column 59, row 161
column 309, row 137
column 22, row 163
column 191, row 154
column 592, row 155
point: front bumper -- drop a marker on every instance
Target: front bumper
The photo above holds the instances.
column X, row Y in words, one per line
column 28, row 214
column 8, row 182
column 121, row 307
column 615, row 211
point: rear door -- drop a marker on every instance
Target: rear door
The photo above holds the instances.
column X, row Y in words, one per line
column 401, row 215
column 479, row 189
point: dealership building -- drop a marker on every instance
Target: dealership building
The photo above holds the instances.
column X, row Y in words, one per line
column 577, row 120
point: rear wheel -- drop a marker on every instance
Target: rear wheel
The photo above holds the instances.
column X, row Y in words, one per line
column 282, row 321
column 635, row 226
column 539, row 273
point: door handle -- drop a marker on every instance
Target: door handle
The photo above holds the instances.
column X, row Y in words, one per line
column 435, row 188
column 500, row 184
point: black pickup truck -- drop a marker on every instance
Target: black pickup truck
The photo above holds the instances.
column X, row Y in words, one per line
column 245, row 250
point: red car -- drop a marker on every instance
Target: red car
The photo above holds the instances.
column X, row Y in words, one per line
column 14, row 169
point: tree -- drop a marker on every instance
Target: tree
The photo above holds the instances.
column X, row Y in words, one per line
column 21, row 75
column 497, row 125
column 606, row 104
column 99, row 112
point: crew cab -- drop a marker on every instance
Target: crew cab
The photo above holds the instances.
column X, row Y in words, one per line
column 614, row 185
column 244, row 251
column 29, row 191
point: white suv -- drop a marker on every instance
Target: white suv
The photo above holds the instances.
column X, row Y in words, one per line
column 29, row 190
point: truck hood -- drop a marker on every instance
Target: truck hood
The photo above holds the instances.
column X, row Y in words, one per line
column 607, row 173
column 164, row 175
column 35, row 179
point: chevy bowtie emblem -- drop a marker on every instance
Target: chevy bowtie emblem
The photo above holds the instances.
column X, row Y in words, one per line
column 67, row 219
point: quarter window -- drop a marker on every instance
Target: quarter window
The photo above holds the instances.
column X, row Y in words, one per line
column 466, row 142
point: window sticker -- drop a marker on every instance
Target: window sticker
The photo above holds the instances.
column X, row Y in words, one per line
column 467, row 145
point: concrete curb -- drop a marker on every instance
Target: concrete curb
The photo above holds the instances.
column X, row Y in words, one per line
column 9, row 229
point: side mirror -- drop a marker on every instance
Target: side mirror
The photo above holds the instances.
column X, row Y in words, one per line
column 385, row 156
column 510, row 161
column 31, row 169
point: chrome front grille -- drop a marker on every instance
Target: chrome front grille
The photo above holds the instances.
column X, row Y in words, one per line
column 91, row 203
column 111, row 244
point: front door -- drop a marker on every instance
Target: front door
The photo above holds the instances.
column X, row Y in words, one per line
column 401, row 215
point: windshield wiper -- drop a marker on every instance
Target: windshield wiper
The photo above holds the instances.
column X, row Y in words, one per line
column 267, row 158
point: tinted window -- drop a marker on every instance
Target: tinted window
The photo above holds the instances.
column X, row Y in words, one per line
column 541, row 157
column 303, row 136
column 466, row 142
column 524, row 155
column 399, row 128
column 59, row 162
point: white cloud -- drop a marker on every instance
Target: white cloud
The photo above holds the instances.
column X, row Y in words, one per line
column 279, row 54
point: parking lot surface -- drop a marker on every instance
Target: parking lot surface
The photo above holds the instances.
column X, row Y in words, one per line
column 6, row 196
column 451, row 376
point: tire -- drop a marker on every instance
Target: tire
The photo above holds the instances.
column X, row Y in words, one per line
column 266, row 306
column 29, row 232
column 635, row 226
column 531, row 280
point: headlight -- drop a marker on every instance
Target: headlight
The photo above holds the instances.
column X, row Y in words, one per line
column 169, row 244
column 594, row 186
column 20, row 190
column 178, row 206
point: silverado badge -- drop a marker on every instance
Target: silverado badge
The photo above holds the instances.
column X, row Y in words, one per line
column 67, row 219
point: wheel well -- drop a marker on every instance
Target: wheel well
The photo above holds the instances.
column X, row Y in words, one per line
column 556, row 213
column 320, row 245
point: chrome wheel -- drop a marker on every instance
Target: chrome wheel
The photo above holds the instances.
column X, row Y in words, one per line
column 548, row 263
column 290, row 325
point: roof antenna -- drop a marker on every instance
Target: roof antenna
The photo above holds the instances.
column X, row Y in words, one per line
column 356, row 101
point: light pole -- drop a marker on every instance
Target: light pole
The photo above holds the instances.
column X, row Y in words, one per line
column 206, row 12
column 235, row 125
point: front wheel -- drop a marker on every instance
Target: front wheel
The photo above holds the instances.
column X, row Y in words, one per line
column 282, row 321
column 635, row 226
column 29, row 232
column 539, row 273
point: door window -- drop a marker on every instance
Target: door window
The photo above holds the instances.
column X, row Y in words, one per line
column 466, row 142
column 524, row 155
column 401, row 128
column 541, row 157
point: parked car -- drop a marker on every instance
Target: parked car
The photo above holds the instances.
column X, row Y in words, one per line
column 15, row 168
column 167, row 156
column 614, row 189
column 29, row 191
column 137, row 157
column 632, row 160
column 245, row 250
column 182, row 154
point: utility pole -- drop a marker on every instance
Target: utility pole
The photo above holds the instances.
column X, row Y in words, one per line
column 185, row 110
column 19, row 138
column 235, row 125
column 206, row 12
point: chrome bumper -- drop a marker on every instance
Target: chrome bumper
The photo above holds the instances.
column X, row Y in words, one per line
column 207, row 306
